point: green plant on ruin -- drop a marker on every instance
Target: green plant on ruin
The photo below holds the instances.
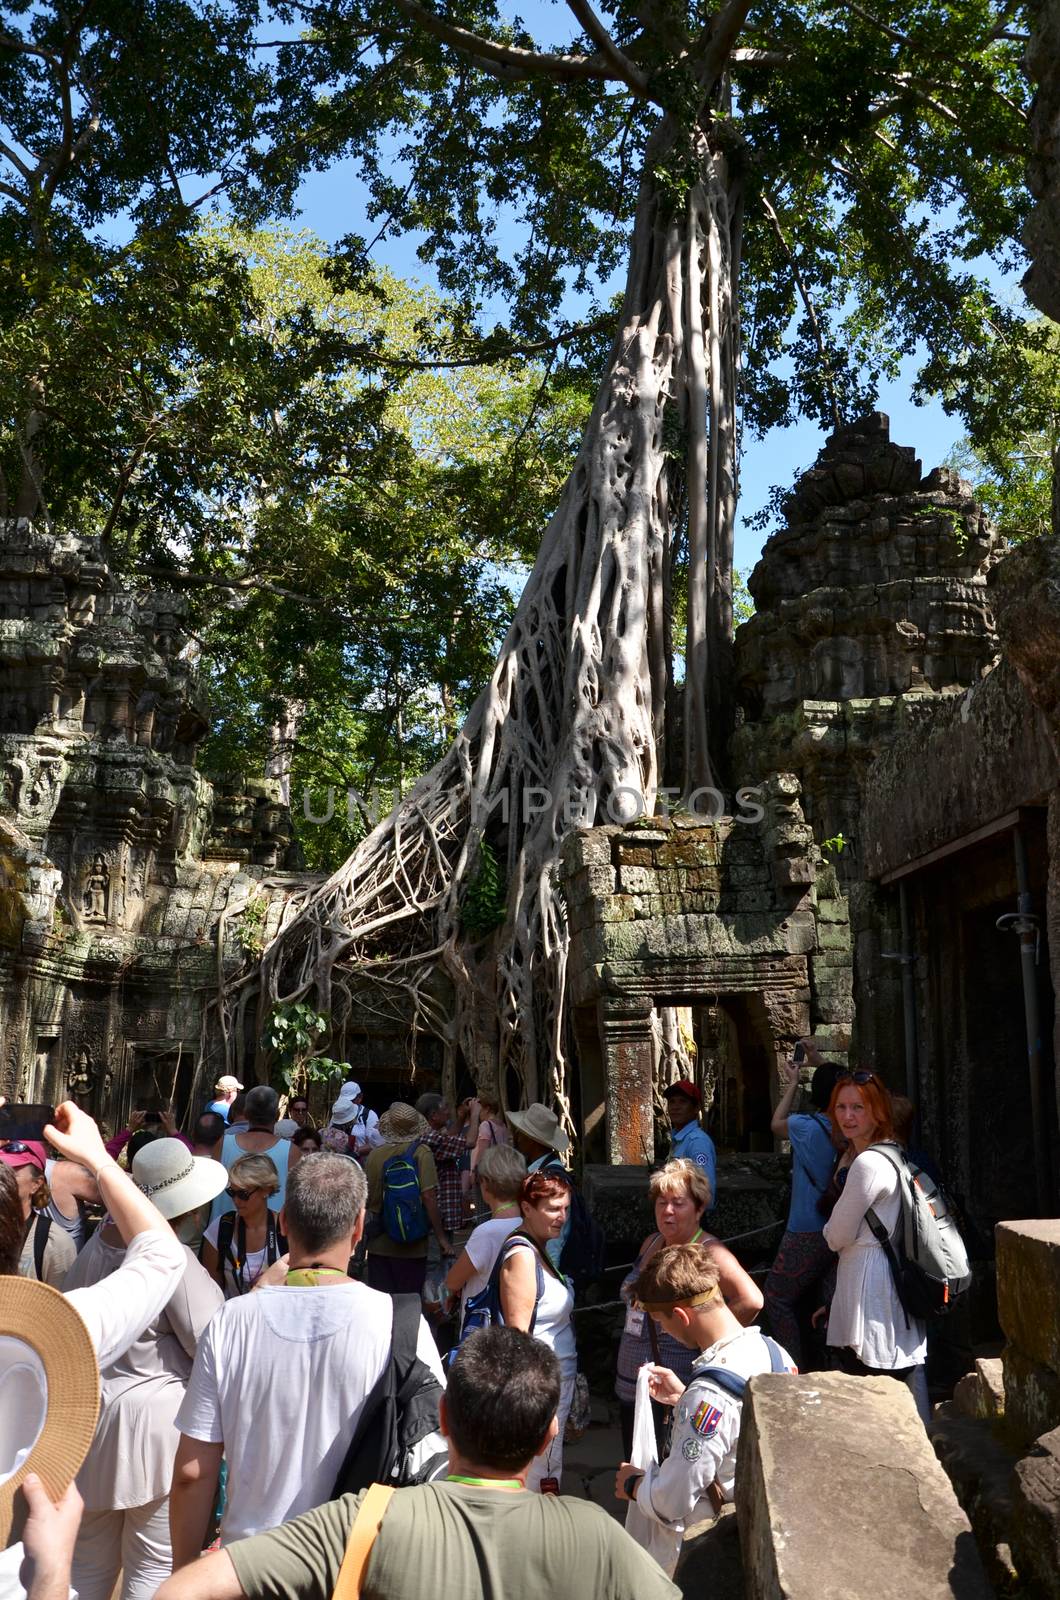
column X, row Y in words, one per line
column 482, row 908
column 252, row 925
column 289, row 1036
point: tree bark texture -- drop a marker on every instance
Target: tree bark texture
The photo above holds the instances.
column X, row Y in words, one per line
column 571, row 727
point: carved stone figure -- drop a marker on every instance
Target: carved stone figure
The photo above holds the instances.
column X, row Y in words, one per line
column 97, row 890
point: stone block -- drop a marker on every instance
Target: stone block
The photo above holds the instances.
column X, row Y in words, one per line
column 1028, row 1288
column 833, row 936
column 1031, row 1393
column 689, row 850
column 832, row 910
column 630, row 855
column 598, row 882
column 616, row 908
column 637, row 880
column 1036, row 1516
column 587, row 847
column 830, row 1463
column 991, row 1387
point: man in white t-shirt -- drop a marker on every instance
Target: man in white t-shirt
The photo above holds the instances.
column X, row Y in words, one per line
column 281, row 1375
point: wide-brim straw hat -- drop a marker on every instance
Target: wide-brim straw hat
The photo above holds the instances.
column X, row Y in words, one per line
column 175, row 1180
column 49, row 1395
column 402, row 1122
column 541, row 1125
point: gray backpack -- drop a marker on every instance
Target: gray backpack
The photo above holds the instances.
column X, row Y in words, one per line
column 927, row 1257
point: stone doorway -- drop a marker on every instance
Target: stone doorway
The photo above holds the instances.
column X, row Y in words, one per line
column 738, row 1056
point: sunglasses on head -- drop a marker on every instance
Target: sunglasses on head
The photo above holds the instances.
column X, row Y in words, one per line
column 15, row 1147
column 240, row 1194
column 859, row 1077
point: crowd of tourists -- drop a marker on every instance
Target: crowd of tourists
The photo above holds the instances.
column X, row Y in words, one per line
column 285, row 1317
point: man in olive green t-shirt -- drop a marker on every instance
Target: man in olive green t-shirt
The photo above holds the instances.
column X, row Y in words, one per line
column 478, row 1534
column 394, row 1266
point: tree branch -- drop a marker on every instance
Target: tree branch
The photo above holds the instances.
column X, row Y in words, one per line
column 514, row 59
column 807, row 300
column 16, row 161
column 719, row 42
column 624, row 67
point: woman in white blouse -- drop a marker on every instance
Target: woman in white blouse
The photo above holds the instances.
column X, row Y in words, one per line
column 867, row 1324
column 126, row 1476
column 544, row 1202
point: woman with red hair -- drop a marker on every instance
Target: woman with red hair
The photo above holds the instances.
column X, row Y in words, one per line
column 867, row 1324
column 537, row 1298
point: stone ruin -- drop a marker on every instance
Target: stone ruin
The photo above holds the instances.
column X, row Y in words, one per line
column 875, row 729
column 125, row 876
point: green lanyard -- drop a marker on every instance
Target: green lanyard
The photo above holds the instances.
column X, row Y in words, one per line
column 696, row 1236
column 484, row 1483
column 310, row 1277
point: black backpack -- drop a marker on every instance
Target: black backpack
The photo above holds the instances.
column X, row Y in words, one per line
column 585, row 1252
column 400, row 1413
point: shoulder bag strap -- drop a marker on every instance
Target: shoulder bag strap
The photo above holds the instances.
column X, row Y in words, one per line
column 799, row 1162
column 225, row 1229
column 363, row 1535
column 40, row 1243
column 883, row 1238
column 503, row 1255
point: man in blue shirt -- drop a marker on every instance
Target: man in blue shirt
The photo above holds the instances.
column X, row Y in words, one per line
column 689, row 1141
column 225, row 1089
column 802, row 1258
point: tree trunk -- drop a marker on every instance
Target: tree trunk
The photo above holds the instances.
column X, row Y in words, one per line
column 569, row 729
column 283, row 735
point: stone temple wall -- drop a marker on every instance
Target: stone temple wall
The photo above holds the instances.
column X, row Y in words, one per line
column 126, row 880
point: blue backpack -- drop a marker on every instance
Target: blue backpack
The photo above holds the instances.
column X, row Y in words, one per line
column 404, row 1216
column 483, row 1310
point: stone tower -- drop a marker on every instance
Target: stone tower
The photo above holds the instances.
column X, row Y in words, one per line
column 123, row 876
column 872, row 602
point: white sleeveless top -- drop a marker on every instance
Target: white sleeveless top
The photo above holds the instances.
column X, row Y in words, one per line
column 553, row 1325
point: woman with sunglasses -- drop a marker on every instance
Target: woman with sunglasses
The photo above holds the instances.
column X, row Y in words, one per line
column 867, row 1325
column 238, row 1246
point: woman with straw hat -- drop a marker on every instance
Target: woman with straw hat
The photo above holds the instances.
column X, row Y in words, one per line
column 112, row 1315
column 125, row 1480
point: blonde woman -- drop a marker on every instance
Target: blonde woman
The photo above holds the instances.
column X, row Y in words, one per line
column 679, row 1194
column 238, row 1246
column 501, row 1173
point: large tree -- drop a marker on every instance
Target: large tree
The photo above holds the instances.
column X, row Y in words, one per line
column 804, row 192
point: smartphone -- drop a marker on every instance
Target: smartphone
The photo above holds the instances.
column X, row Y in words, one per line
column 152, row 1118
column 798, row 1055
column 25, row 1122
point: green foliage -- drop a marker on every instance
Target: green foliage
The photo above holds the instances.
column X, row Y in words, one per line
column 1013, row 455
column 743, row 606
column 485, row 899
column 378, row 588
column 252, row 922
column 290, row 1034
column 835, row 845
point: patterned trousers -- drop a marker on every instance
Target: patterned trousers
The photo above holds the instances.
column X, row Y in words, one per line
column 802, row 1260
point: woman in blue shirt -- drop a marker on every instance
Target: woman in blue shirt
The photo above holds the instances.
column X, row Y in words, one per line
column 803, row 1257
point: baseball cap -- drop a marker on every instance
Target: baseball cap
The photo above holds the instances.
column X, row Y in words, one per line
column 686, row 1087
column 24, row 1153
